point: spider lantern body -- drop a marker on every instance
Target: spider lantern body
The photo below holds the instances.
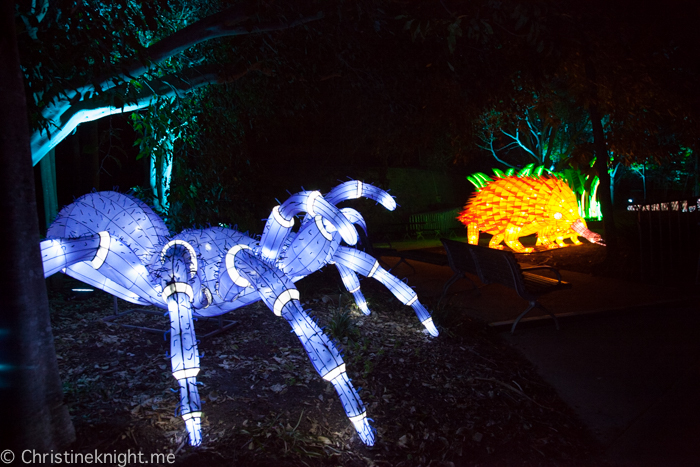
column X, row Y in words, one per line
column 514, row 206
column 118, row 244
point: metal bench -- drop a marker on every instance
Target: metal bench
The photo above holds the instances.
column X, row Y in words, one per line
column 414, row 255
column 501, row 267
column 365, row 244
column 461, row 262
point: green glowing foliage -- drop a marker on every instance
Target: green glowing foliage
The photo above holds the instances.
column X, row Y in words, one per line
column 584, row 187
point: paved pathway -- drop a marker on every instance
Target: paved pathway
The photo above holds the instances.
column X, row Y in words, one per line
column 627, row 358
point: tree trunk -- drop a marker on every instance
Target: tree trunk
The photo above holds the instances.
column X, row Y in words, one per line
column 90, row 155
column 601, row 167
column 601, row 155
column 48, row 187
column 34, row 416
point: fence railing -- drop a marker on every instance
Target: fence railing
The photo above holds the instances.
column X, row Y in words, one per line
column 669, row 241
column 435, row 224
column 686, row 205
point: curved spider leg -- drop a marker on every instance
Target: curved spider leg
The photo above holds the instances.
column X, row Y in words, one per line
column 355, row 217
column 280, row 223
column 280, row 295
column 59, row 253
column 103, row 261
column 361, row 262
column 352, row 284
column 184, row 356
column 354, row 189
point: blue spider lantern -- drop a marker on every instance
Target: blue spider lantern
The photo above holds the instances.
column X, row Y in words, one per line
column 118, row 244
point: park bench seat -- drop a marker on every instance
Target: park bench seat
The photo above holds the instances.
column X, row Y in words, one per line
column 461, row 263
column 415, row 255
column 501, row 267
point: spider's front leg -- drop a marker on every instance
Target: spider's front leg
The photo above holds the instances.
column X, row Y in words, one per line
column 184, row 356
column 352, row 285
column 328, row 363
column 280, row 295
column 366, row 265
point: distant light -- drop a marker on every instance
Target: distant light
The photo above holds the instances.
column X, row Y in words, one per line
column 83, row 290
column 630, row 200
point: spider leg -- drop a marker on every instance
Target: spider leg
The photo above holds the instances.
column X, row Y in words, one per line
column 184, row 357
column 361, row 262
column 353, row 189
column 103, row 261
column 280, row 223
column 184, row 361
column 352, row 284
column 329, row 365
column 59, row 253
column 280, row 295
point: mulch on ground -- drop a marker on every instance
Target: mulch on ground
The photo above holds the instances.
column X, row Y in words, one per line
column 464, row 398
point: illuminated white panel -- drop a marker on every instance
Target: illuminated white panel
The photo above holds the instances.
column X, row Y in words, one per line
column 310, row 202
column 178, row 287
column 102, row 251
column 412, row 301
column 209, row 297
column 281, row 220
column 358, row 418
column 362, row 305
column 359, row 189
column 284, row 298
column 322, row 229
column 194, row 429
column 430, row 326
column 190, row 248
column 334, row 373
column 191, row 415
column 187, row 373
column 231, row 266
column 374, row 269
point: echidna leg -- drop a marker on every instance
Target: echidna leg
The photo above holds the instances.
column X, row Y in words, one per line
column 361, row 262
column 352, row 284
column 560, row 241
column 472, row 234
column 495, row 242
column 574, row 239
column 513, row 241
column 544, row 238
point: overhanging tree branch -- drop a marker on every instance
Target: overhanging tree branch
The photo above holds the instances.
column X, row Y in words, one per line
column 127, row 98
column 81, row 104
column 221, row 24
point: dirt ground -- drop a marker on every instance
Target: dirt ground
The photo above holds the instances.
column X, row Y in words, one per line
column 463, row 398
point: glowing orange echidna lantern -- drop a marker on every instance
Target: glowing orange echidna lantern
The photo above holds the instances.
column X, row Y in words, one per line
column 513, row 206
